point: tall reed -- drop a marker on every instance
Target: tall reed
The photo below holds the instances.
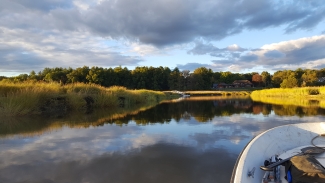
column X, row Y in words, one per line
column 306, row 96
column 290, row 92
column 33, row 98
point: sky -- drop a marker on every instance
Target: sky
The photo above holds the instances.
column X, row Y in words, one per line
column 240, row 36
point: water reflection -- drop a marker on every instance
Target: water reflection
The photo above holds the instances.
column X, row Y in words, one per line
column 185, row 141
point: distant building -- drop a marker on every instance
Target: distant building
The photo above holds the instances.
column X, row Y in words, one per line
column 235, row 84
column 321, row 79
column 242, row 83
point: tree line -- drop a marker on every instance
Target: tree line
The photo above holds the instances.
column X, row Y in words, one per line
column 163, row 78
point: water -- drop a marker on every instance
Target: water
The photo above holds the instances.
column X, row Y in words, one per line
column 187, row 141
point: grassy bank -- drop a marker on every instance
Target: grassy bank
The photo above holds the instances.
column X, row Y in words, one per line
column 41, row 98
column 219, row 93
column 306, row 96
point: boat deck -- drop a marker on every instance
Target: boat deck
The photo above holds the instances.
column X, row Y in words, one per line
column 284, row 141
column 320, row 157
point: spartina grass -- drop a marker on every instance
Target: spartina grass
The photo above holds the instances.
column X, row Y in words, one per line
column 35, row 98
column 306, row 96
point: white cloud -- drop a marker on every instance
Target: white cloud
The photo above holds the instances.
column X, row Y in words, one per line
column 51, row 49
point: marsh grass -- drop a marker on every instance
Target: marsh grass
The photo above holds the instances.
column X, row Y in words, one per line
column 291, row 92
column 305, row 97
column 18, row 99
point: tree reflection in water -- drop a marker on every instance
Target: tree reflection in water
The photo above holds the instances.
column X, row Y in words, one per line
column 189, row 140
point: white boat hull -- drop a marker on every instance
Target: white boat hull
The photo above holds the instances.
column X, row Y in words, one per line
column 275, row 141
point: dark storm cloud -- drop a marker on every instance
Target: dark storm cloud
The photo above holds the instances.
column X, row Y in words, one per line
column 169, row 22
column 159, row 23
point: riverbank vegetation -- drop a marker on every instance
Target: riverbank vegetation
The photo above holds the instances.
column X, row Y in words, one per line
column 30, row 98
column 164, row 78
column 305, row 96
column 225, row 92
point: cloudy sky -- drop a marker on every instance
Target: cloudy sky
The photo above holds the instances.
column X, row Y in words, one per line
column 224, row 35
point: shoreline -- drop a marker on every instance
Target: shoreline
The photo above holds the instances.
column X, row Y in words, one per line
column 53, row 99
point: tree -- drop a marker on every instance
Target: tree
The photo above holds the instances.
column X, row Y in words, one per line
column 122, row 76
column 290, row 82
column 79, row 75
column 280, row 76
column 266, row 78
column 21, row 77
column 96, row 75
column 226, row 77
column 57, row 74
column 203, row 78
column 309, row 78
column 173, row 79
column 32, row 76
column 257, row 79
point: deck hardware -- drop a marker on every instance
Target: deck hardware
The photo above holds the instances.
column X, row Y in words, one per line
column 251, row 173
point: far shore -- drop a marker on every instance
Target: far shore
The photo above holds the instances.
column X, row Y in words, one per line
column 51, row 98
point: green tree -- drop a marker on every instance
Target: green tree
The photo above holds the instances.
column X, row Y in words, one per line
column 96, row 75
column 173, row 80
column 226, row 77
column 289, row 82
column 266, row 78
column 57, row 74
column 33, row 76
column 79, row 75
column 309, row 78
column 21, row 77
column 122, row 76
column 202, row 78
column 278, row 78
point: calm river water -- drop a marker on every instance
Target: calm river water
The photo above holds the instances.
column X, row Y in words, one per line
column 189, row 141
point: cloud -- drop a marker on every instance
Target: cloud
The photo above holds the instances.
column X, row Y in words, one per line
column 35, row 34
column 300, row 53
column 274, row 54
column 161, row 22
column 295, row 52
column 25, row 51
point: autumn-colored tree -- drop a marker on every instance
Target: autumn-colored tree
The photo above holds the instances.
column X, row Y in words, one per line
column 257, row 79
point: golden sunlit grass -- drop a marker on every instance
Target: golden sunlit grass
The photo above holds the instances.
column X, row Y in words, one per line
column 305, row 97
column 33, row 97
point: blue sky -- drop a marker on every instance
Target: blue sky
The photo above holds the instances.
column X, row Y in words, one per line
column 240, row 36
